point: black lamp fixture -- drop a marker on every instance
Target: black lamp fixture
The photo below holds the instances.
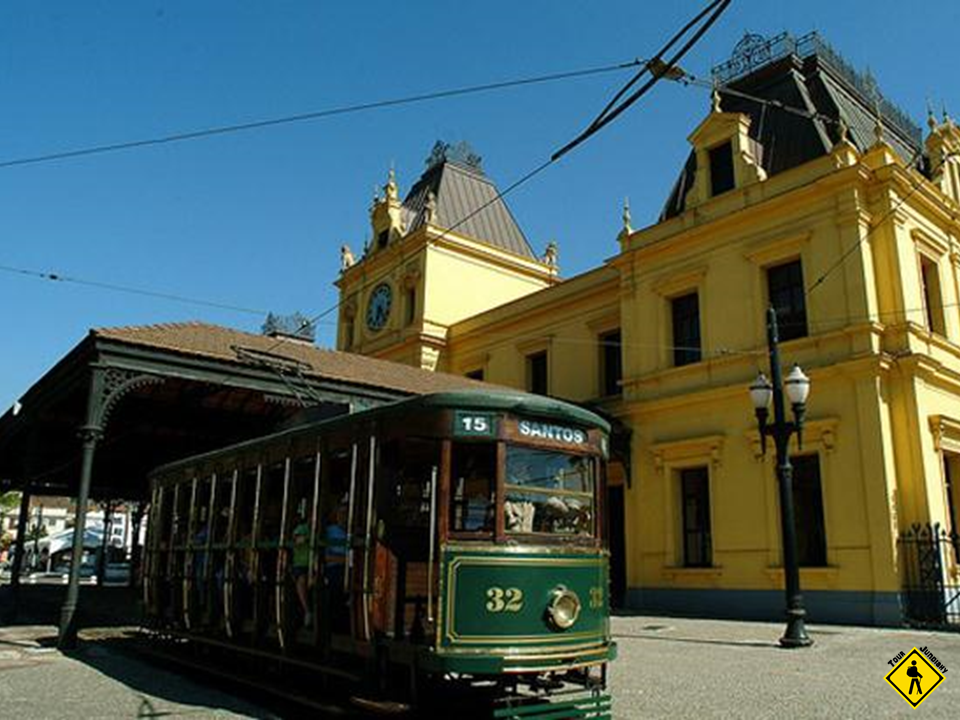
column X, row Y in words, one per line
column 762, row 391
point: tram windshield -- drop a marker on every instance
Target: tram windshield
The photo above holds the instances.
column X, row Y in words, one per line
column 548, row 492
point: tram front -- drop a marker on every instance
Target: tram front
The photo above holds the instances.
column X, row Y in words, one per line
column 524, row 571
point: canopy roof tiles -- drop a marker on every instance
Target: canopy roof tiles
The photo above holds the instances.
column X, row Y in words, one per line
column 155, row 393
column 235, row 346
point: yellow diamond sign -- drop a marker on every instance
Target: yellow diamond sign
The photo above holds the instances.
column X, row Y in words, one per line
column 914, row 678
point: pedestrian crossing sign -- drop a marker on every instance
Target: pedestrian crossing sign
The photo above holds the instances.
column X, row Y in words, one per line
column 914, row 678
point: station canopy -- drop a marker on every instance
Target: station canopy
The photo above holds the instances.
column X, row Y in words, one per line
column 151, row 394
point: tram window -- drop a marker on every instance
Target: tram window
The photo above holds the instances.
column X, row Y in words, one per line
column 246, row 499
column 300, row 507
column 164, row 499
column 221, row 508
column 200, row 516
column 337, row 479
column 271, row 503
column 409, row 467
column 181, row 513
column 473, row 479
column 548, row 492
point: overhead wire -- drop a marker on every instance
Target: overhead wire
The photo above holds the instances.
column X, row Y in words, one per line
column 269, row 122
column 128, row 289
column 684, row 78
column 656, row 66
column 313, row 115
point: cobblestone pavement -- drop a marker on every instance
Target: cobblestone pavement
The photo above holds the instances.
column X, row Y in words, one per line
column 680, row 668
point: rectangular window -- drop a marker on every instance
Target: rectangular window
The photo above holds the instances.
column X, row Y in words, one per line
column 685, row 311
column 950, row 475
column 475, row 374
column 695, row 511
column 473, row 477
column 808, row 511
column 548, row 492
column 721, row 169
column 611, row 363
column 411, row 306
column 537, row 380
column 932, row 297
column 786, row 294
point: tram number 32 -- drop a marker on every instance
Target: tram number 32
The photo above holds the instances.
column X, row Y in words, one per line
column 500, row 600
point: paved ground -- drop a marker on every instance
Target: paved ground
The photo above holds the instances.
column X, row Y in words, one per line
column 39, row 683
column 668, row 668
column 712, row 669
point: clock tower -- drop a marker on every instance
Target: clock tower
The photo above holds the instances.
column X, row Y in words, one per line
column 449, row 250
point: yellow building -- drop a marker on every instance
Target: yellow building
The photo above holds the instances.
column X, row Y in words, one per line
column 804, row 190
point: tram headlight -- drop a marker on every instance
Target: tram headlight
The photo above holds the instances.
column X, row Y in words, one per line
column 563, row 608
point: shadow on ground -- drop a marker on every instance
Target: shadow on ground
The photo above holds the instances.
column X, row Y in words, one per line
column 41, row 604
column 162, row 686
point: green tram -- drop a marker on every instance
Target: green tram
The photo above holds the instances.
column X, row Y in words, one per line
column 446, row 544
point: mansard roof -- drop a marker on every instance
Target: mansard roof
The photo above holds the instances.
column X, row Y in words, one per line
column 460, row 188
column 806, row 74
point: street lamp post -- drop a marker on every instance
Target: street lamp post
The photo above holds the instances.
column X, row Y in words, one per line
column 797, row 386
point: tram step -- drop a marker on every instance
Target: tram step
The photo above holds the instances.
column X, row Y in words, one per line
column 380, row 707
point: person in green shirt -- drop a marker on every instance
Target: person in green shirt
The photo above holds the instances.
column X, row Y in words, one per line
column 300, row 567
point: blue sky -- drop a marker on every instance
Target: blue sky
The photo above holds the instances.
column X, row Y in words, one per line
column 256, row 219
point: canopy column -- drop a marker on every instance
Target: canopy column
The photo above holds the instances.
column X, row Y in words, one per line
column 90, row 434
column 68, row 626
column 107, row 386
column 20, row 541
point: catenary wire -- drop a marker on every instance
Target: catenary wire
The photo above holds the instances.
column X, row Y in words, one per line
column 128, row 289
column 658, row 69
column 822, row 321
column 219, row 130
column 315, row 115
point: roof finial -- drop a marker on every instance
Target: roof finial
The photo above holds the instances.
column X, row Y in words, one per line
column 347, row 260
column 715, row 99
column 430, row 207
column 844, row 130
column 878, row 125
column 626, row 215
column 550, row 255
column 946, row 115
column 391, row 187
column 931, row 120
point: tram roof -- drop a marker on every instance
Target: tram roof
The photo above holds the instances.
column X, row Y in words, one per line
column 516, row 402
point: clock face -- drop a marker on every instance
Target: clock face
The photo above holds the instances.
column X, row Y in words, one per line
column 378, row 309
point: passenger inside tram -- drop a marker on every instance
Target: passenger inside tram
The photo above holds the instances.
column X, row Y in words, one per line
column 300, row 566
column 334, row 566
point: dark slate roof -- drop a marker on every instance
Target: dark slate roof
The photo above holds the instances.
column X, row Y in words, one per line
column 460, row 190
column 784, row 140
